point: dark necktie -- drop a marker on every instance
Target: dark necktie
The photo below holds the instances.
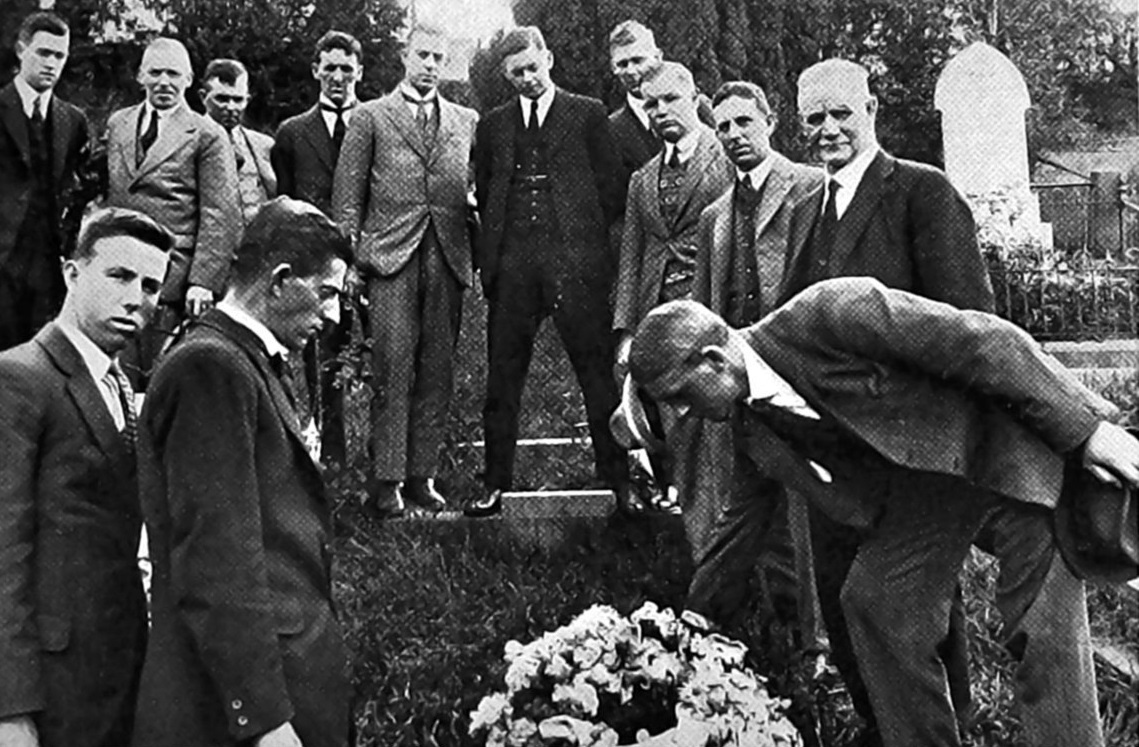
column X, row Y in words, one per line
column 285, row 376
column 674, row 160
column 37, row 113
column 423, row 119
column 825, row 233
column 148, row 137
column 237, row 157
column 126, row 400
column 534, row 125
column 339, row 128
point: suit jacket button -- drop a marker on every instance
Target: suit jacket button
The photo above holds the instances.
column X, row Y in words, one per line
column 236, row 704
column 242, row 721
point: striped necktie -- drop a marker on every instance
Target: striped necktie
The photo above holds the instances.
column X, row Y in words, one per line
column 126, row 401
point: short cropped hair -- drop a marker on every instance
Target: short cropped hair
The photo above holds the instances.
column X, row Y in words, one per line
column 519, row 40
column 288, row 231
column 857, row 76
column 742, row 89
column 41, row 21
column 338, row 40
column 115, row 221
column 674, row 69
column 630, row 32
column 671, row 335
column 225, row 70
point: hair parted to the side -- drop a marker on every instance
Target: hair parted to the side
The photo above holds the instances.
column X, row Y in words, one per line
column 41, row 21
column 670, row 69
column 519, row 40
column 630, row 32
column 110, row 222
column 345, row 42
column 226, row 70
column 742, row 89
column 292, row 232
column 672, row 335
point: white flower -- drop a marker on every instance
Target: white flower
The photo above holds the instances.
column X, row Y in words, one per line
column 491, row 709
column 521, row 730
column 580, row 694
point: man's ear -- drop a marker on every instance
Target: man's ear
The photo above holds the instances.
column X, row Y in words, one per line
column 872, row 105
column 716, row 356
column 280, row 274
column 550, row 57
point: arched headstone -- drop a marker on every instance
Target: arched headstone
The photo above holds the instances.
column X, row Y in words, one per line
column 982, row 99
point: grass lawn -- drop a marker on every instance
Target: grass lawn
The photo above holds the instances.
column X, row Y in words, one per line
column 428, row 605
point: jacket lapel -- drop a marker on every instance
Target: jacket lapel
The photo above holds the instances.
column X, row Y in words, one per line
column 449, row 122
column 317, row 135
column 702, row 159
column 400, row 117
column 804, row 215
column 176, row 134
column 861, row 208
column 774, row 193
column 721, row 248
column 83, row 391
column 62, row 125
column 264, row 167
column 12, row 112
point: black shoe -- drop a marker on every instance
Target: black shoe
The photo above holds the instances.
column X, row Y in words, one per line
column 487, row 505
column 628, row 502
column 384, row 501
column 421, row 492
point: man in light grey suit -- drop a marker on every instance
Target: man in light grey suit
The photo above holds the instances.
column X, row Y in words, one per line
column 225, row 92
column 177, row 166
column 401, row 191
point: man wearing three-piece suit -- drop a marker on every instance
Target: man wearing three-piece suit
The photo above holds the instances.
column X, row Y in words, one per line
column 401, row 191
column 177, row 166
column 900, row 222
column 225, row 93
column 660, row 247
column 304, row 157
column 547, row 189
column 911, row 421
column 72, row 607
column 245, row 646
column 43, row 141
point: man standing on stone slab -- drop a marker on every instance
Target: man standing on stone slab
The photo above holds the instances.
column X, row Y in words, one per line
column 401, row 193
column 43, row 141
column 547, row 190
column 225, row 92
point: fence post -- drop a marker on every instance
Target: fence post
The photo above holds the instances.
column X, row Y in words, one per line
column 1103, row 233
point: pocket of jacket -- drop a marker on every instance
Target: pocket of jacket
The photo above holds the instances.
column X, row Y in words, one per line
column 55, row 632
column 288, row 616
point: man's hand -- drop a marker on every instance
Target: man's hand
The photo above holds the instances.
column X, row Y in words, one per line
column 18, row 731
column 199, row 300
column 1111, row 453
column 282, row 736
column 621, row 367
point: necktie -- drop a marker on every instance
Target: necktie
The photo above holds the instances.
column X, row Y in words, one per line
column 237, row 157
column 747, row 189
column 125, row 393
column 340, row 127
column 281, row 368
column 534, row 125
column 828, row 225
column 148, row 137
column 37, row 112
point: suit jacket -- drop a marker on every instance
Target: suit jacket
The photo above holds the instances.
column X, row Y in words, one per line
column 649, row 238
column 929, row 387
column 244, row 635
column 787, row 184
column 72, row 609
column 69, row 152
column 397, row 184
column 303, row 160
column 906, row 226
column 584, row 181
column 188, row 183
column 261, row 146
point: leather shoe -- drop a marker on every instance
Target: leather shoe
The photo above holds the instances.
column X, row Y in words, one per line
column 384, row 501
column 487, row 505
column 628, row 502
column 421, row 491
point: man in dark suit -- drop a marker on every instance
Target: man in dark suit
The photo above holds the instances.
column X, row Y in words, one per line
column 900, row 222
column 659, row 248
column 225, row 93
column 401, row 192
column 245, row 647
column 911, row 420
column 72, row 607
column 304, row 157
column 43, row 141
column 547, row 190
column 633, row 52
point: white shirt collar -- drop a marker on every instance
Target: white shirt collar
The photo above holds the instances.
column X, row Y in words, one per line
column 544, row 103
column 28, row 96
column 330, row 117
column 765, row 385
column 849, row 177
column 758, row 174
column 684, row 147
column 409, row 92
column 97, row 361
column 272, row 345
column 637, row 107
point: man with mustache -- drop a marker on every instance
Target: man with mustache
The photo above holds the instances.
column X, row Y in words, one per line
column 177, row 166
column 43, row 141
column 72, row 607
